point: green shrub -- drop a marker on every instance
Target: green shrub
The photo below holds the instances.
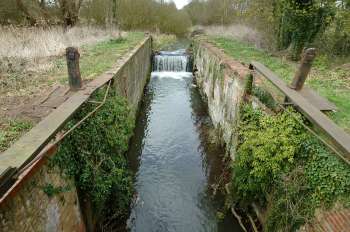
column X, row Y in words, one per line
column 328, row 176
column 93, row 154
column 285, row 169
column 268, row 147
column 288, row 208
column 265, row 97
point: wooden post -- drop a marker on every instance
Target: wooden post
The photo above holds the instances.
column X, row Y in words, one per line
column 249, row 81
column 304, row 69
column 72, row 56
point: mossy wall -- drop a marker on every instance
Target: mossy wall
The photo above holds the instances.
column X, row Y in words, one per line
column 222, row 84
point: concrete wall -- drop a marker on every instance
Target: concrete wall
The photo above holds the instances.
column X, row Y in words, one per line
column 222, row 83
column 31, row 209
column 26, row 206
column 133, row 76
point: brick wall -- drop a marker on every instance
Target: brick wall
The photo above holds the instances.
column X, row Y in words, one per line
column 335, row 220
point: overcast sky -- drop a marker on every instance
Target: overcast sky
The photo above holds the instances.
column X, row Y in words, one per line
column 181, row 3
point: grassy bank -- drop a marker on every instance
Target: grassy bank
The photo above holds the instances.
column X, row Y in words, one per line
column 36, row 78
column 10, row 130
column 95, row 59
column 161, row 41
column 329, row 81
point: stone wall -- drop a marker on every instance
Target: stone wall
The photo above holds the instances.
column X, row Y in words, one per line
column 222, row 82
column 32, row 209
column 42, row 199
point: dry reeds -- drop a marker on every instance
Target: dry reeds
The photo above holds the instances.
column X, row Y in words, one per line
column 30, row 43
column 238, row 32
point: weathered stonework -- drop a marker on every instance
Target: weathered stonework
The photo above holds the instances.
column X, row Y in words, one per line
column 31, row 209
column 133, row 76
column 27, row 207
column 222, row 83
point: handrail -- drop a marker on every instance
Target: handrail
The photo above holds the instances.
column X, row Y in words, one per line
column 338, row 136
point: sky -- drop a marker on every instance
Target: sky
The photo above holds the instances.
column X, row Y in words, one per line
column 181, row 3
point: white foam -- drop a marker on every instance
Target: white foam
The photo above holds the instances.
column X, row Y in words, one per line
column 171, row 75
column 175, row 63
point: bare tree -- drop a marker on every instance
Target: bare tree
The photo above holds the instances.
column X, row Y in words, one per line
column 22, row 7
column 38, row 12
column 70, row 11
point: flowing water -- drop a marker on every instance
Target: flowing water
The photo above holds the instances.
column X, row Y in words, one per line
column 174, row 161
column 172, row 61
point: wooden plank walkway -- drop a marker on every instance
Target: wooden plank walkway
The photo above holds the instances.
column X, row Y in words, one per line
column 340, row 138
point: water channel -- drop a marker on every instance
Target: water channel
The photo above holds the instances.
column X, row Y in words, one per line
column 174, row 160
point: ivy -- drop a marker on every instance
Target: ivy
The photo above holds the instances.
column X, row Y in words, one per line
column 328, row 176
column 51, row 190
column 93, row 155
column 300, row 22
column 268, row 147
column 285, row 169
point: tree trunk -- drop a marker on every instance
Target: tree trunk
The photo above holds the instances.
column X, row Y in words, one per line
column 70, row 12
column 31, row 19
column 114, row 11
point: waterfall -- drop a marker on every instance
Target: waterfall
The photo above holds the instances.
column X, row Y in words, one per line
column 176, row 61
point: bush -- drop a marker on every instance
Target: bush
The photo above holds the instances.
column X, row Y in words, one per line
column 268, row 147
column 93, row 155
column 285, row 169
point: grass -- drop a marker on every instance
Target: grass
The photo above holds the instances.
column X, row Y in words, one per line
column 330, row 82
column 95, row 59
column 17, row 85
column 98, row 58
column 11, row 130
column 160, row 41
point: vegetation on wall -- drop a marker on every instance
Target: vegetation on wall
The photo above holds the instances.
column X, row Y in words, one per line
column 286, row 170
column 93, row 155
